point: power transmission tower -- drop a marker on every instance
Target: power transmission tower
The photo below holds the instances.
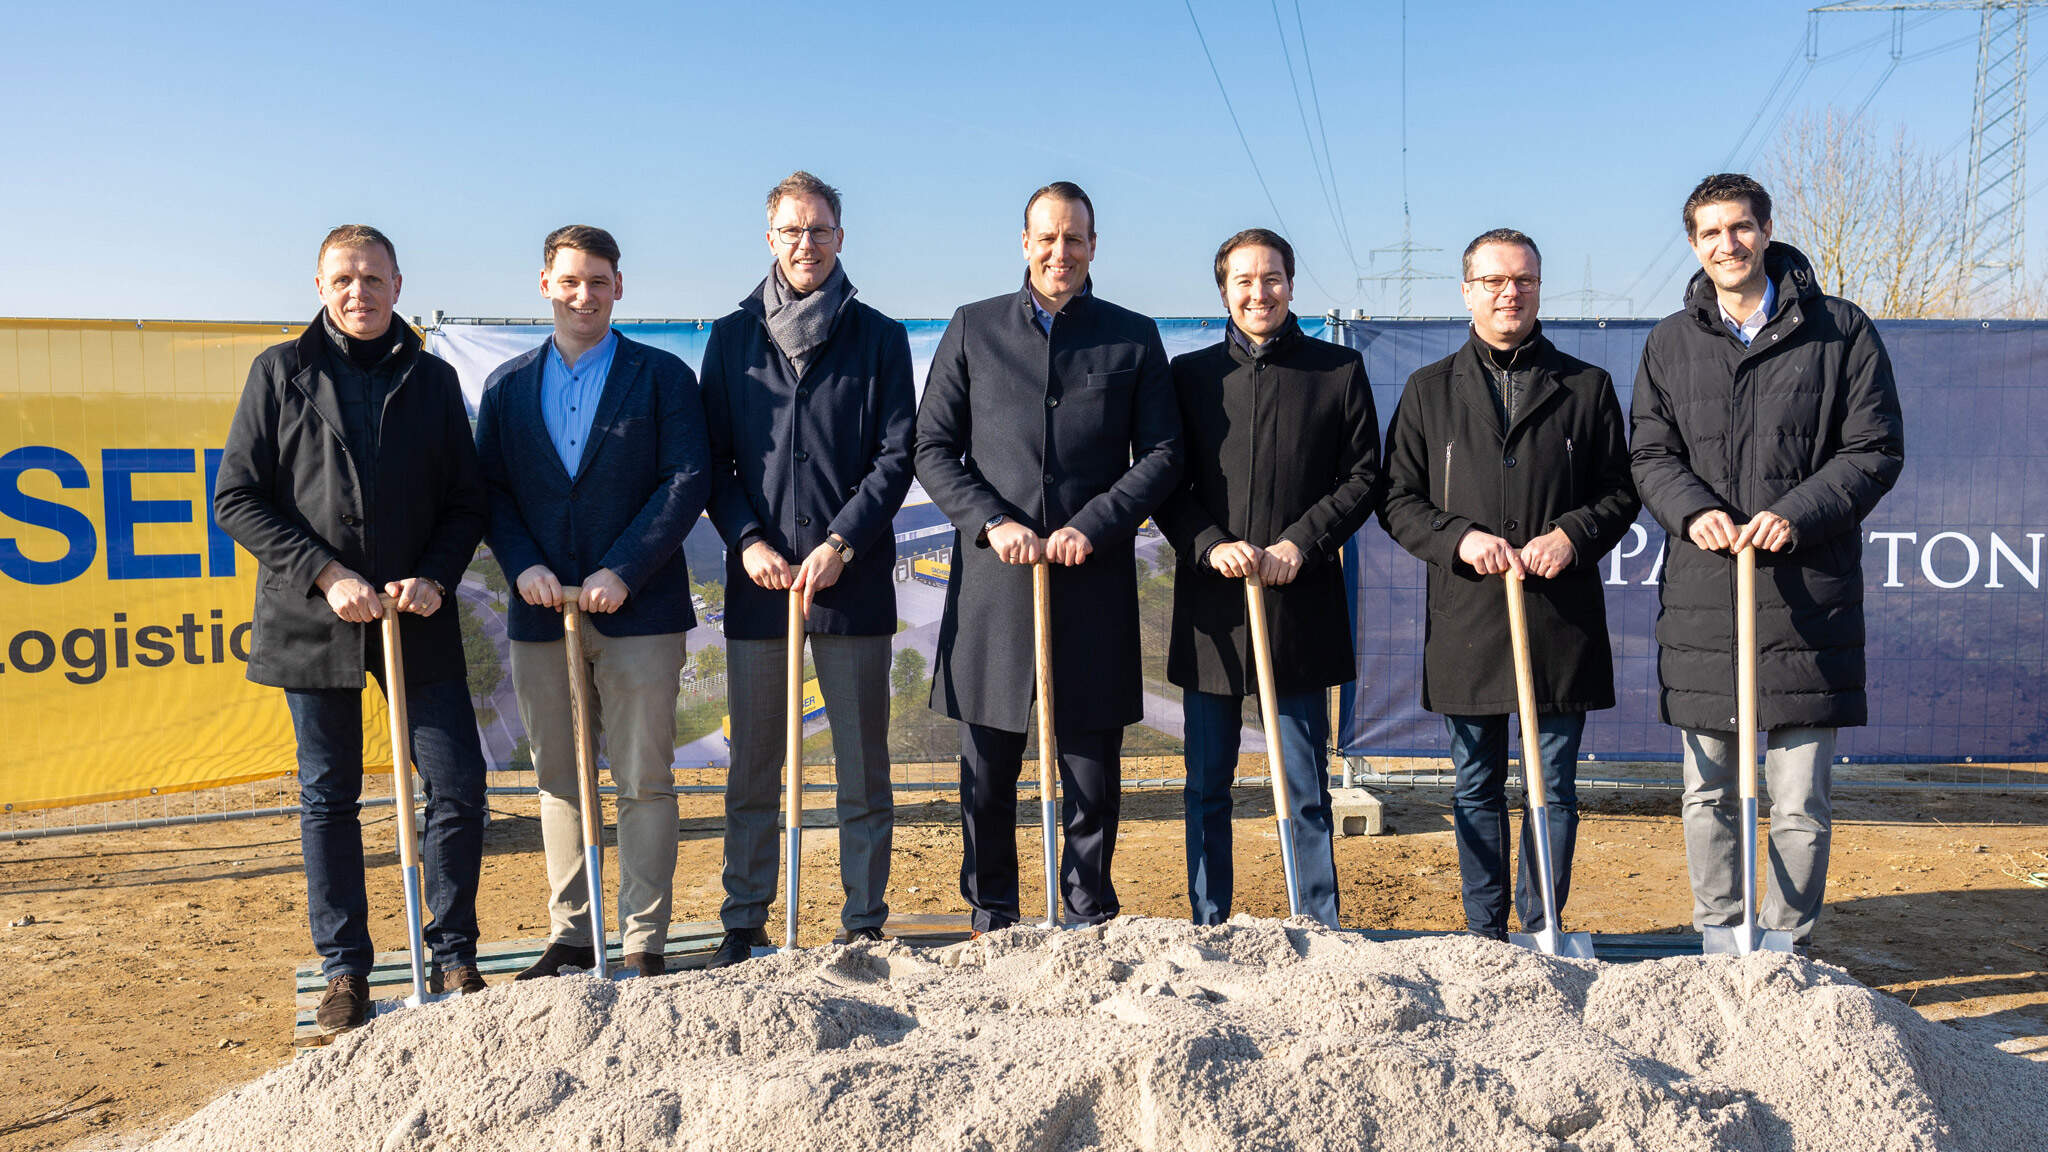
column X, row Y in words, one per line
column 1588, row 298
column 1995, row 230
column 1406, row 274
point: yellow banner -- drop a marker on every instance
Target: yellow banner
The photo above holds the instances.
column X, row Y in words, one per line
column 124, row 625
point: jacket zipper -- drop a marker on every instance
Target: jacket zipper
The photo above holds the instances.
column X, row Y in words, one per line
column 1571, row 473
column 1447, row 474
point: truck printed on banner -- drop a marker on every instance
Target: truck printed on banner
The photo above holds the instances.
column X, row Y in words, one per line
column 932, row 570
column 813, row 709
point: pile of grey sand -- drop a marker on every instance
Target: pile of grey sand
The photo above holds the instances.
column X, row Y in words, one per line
column 1155, row 1034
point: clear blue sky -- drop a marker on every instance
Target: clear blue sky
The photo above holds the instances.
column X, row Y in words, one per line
column 182, row 161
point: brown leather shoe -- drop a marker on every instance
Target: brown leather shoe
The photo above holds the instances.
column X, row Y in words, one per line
column 463, row 979
column 558, row 956
column 645, row 963
column 346, row 1004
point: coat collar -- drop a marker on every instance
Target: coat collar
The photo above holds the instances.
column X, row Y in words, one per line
column 315, row 376
column 755, row 304
column 533, row 428
column 1274, row 351
column 1076, row 308
column 1471, row 380
column 1787, row 267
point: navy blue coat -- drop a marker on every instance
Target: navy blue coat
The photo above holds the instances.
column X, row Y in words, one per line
column 636, row 493
column 795, row 459
column 1081, row 429
column 292, row 493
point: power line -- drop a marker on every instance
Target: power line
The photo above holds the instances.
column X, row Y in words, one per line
column 1278, row 217
column 1322, row 129
column 1322, row 184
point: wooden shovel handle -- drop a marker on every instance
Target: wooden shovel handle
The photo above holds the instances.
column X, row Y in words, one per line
column 793, row 732
column 401, row 734
column 1041, row 657
column 1745, row 669
column 579, row 716
column 1269, row 702
column 1525, row 690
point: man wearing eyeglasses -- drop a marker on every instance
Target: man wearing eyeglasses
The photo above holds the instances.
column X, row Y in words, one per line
column 1048, row 432
column 809, row 398
column 1510, row 456
column 1765, row 416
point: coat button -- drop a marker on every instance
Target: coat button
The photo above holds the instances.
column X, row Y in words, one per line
column 803, row 393
column 1508, row 462
column 1052, row 401
column 1437, row 525
column 351, row 519
column 1511, row 525
column 803, row 521
column 1048, row 479
column 802, row 456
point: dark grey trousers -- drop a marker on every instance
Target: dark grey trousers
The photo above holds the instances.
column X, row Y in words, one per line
column 853, row 675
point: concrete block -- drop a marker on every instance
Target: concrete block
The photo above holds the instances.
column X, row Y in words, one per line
column 1356, row 812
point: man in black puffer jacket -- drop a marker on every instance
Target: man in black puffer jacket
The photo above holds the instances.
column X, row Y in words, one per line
column 1765, row 415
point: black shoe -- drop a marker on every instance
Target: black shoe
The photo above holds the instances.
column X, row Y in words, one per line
column 346, row 1004
column 646, row 963
column 738, row 946
column 871, row 935
column 559, row 956
column 463, row 979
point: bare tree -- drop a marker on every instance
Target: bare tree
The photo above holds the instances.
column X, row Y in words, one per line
column 1882, row 224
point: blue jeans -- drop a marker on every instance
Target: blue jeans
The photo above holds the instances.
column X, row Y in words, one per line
column 329, row 725
column 1213, row 723
column 1479, row 812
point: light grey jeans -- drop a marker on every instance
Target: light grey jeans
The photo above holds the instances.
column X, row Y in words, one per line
column 634, row 689
column 853, row 676
column 1796, row 777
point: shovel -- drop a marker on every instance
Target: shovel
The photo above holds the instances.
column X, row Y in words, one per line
column 1048, row 745
column 1269, row 716
column 401, row 778
column 793, row 784
column 1549, row 940
column 586, row 772
column 1748, row 936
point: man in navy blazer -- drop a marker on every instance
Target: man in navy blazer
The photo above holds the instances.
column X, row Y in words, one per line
column 594, row 452
column 809, row 397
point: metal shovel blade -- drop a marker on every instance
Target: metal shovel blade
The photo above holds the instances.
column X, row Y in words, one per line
column 1748, row 936
column 1551, row 942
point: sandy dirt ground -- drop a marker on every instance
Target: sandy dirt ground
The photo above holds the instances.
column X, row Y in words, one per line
column 157, row 970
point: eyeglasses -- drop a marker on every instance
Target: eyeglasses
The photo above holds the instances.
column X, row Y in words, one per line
column 1496, row 284
column 793, row 236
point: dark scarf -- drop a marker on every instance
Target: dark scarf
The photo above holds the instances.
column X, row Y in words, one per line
column 800, row 324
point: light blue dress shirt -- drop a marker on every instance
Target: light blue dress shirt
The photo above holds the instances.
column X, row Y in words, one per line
column 568, row 396
column 1746, row 330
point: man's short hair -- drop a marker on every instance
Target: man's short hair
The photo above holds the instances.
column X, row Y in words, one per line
column 582, row 238
column 1498, row 236
column 1255, row 238
column 355, row 236
column 1062, row 190
column 802, row 183
column 1722, row 187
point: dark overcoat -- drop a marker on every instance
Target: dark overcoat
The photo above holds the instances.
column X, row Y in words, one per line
column 290, row 492
column 1281, row 444
column 638, row 488
column 1563, row 463
column 1805, row 423
column 794, row 459
column 1077, row 428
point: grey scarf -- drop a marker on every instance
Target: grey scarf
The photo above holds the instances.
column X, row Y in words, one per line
column 799, row 324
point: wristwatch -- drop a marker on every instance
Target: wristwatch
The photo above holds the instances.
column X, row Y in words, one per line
column 430, row 582
column 993, row 521
column 838, row 544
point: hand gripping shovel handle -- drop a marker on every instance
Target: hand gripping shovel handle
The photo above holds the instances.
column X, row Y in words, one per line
column 793, row 783
column 1552, row 939
column 401, row 779
column 1048, row 744
column 1269, row 717
column 586, row 771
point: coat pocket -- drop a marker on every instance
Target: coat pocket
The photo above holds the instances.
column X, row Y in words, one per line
column 1122, row 378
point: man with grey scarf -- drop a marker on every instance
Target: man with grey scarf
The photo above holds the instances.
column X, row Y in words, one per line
column 810, row 405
